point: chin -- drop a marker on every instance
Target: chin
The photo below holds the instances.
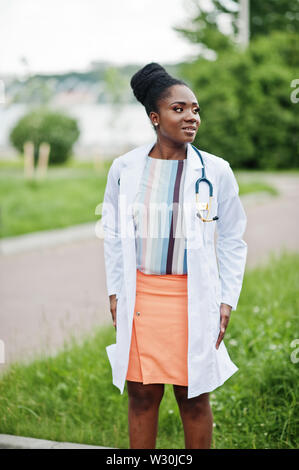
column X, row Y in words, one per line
column 190, row 139
column 185, row 140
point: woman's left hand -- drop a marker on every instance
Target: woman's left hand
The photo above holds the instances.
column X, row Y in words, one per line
column 225, row 310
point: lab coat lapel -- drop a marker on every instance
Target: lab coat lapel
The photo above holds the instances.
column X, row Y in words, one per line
column 130, row 177
column 193, row 225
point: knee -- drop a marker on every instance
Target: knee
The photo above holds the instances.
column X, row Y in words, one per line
column 142, row 399
column 195, row 406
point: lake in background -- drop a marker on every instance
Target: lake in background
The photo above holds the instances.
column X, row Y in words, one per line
column 105, row 130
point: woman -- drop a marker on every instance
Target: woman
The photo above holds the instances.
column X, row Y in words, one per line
column 170, row 302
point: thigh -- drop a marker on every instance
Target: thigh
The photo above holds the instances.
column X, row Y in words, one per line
column 137, row 391
column 181, row 395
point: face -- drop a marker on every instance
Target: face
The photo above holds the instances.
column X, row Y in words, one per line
column 176, row 112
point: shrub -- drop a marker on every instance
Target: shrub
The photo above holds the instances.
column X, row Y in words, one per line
column 44, row 125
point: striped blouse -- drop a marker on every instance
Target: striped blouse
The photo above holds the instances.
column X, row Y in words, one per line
column 158, row 217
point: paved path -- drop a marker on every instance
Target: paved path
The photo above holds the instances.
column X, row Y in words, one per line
column 9, row 441
column 59, row 289
column 272, row 221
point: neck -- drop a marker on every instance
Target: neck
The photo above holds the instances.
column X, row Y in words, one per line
column 169, row 150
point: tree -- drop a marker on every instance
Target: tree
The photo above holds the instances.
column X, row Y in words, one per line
column 247, row 113
column 206, row 27
column 45, row 125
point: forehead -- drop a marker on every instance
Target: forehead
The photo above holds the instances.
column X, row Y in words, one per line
column 180, row 93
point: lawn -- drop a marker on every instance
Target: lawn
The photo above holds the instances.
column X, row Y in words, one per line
column 68, row 196
column 70, row 396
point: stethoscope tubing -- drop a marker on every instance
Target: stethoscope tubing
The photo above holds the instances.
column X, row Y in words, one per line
column 204, row 179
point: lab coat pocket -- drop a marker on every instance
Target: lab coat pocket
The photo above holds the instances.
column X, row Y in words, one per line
column 197, row 232
column 210, row 227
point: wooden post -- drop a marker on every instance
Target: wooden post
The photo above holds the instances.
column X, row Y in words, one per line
column 29, row 160
column 43, row 159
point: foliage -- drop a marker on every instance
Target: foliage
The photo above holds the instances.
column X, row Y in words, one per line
column 44, row 125
column 247, row 114
column 264, row 17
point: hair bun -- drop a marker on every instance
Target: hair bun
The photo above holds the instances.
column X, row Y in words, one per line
column 143, row 79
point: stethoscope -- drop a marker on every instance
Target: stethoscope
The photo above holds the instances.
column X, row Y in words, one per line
column 204, row 206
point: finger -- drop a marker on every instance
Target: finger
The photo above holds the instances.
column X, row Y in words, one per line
column 220, row 337
column 223, row 322
column 113, row 314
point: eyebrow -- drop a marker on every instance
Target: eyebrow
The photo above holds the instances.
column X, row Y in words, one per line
column 183, row 102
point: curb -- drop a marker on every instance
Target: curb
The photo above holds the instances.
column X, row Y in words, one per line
column 48, row 238
column 8, row 441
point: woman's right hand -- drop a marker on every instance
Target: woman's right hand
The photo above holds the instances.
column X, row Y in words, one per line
column 113, row 304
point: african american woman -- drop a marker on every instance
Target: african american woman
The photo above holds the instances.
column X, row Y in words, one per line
column 175, row 261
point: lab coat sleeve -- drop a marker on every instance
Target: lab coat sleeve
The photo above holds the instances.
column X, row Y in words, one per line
column 112, row 239
column 231, row 249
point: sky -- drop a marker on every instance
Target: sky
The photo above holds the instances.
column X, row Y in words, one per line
column 54, row 36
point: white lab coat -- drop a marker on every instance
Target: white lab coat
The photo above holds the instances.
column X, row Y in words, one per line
column 209, row 282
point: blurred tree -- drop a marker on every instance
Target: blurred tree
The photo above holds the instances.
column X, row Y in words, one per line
column 115, row 85
column 36, row 91
column 116, row 90
column 44, row 125
column 247, row 114
column 205, row 27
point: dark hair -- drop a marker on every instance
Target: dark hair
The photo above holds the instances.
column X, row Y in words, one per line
column 151, row 84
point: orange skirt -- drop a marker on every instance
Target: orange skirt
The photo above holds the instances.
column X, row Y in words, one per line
column 159, row 344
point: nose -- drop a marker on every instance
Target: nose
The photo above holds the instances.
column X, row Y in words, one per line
column 192, row 118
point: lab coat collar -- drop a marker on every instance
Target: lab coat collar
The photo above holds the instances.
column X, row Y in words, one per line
column 138, row 156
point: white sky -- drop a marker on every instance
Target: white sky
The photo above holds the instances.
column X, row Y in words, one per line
column 62, row 35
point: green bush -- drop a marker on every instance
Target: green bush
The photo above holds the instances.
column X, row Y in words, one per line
column 44, row 125
column 247, row 114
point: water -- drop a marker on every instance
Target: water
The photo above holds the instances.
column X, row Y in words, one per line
column 104, row 128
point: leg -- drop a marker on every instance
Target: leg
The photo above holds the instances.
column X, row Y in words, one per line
column 144, row 402
column 197, row 418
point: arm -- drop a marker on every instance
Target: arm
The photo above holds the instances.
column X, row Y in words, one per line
column 112, row 240
column 231, row 249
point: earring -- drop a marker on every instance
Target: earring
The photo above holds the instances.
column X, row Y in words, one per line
column 155, row 123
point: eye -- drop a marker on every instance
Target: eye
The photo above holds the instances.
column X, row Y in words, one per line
column 197, row 110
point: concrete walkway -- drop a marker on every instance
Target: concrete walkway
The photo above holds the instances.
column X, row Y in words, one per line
column 8, row 441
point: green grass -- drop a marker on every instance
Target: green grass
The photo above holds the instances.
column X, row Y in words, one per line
column 70, row 396
column 256, row 187
column 68, row 196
